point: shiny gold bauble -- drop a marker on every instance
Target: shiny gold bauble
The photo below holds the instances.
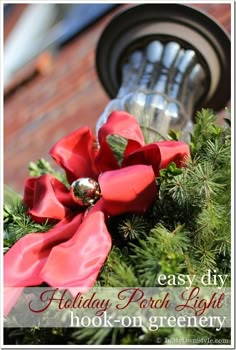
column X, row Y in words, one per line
column 85, row 191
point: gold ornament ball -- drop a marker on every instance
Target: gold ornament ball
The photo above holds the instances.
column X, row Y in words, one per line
column 85, row 191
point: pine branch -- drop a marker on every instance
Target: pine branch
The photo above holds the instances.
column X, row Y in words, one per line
column 132, row 227
column 117, row 272
column 10, row 196
column 17, row 223
column 94, row 335
column 161, row 252
column 42, row 167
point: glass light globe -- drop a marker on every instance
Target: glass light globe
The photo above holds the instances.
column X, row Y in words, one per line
column 161, row 85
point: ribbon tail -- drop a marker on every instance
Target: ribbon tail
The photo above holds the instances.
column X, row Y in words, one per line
column 24, row 261
column 10, row 296
column 76, row 263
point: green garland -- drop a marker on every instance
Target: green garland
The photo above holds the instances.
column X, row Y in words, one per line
column 186, row 231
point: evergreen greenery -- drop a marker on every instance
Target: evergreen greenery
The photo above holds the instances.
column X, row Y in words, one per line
column 42, row 167
column 186, row 231
column 17, row 223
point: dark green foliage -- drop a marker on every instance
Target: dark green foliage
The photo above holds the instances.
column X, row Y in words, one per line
column 36, row 336
column 17, row 224
column 132, row 227
column 186, row 231
column 161, row 252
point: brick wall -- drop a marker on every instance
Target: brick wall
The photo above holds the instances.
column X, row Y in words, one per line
column 57, row 100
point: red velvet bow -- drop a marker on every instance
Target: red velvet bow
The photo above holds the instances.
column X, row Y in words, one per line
column 72, row 253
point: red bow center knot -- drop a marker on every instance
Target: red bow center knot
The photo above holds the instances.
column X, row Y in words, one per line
column 71, row 254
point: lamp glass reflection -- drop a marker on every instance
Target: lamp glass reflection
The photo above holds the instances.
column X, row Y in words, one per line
column 161, row 84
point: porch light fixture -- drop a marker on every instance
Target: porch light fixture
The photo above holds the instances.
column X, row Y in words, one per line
column 161, row 63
